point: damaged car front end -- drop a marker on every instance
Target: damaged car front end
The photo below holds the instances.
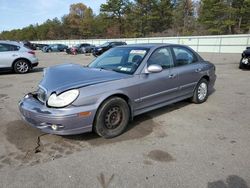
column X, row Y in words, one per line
column 54, row 108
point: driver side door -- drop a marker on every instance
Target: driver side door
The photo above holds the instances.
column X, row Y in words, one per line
column 161, row 87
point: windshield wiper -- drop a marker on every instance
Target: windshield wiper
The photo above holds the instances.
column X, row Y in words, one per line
column 104, row 68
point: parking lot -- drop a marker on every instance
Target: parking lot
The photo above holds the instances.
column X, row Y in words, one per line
column 181, row 145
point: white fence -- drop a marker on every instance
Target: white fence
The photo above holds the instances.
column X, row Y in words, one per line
column 214, row 43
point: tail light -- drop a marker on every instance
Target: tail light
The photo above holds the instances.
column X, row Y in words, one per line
column 32, row 52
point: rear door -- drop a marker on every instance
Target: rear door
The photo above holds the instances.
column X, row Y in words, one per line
column 188, row 68
column 159, row 87
column 8, row 53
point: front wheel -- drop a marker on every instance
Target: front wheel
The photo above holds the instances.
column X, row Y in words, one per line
column 201, row 92
column 22, row 67
column 112, row 118
column 241, row 66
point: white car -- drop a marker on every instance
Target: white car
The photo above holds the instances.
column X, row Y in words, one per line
column 16, row 57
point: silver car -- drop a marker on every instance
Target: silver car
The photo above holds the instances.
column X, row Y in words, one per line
column 122, row 83
column 16, row 57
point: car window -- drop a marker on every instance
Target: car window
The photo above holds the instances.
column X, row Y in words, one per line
column 8, row 47
column 113, row 60
column 161, row 57
column 124, row 60
column 3, row 48
column 183, row 56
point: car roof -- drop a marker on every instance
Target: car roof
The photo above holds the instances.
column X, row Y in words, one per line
column 149, row 45
column 10, row 42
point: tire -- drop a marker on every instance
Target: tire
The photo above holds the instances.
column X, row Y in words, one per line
column 241, row 66
column 201, row 92
column 112, row 118
column 21, row 66
column 49, row 50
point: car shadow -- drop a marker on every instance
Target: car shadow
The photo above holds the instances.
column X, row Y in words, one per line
column 9, row 72
column 38, row 69
column 141, row 126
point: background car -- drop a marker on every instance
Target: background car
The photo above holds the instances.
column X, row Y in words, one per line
column 29, row 45
column 245, row 59
column 77, row 49
column 55, row 48
column 123, row 82
column 39, row 46
column 106, row 46
column 15, row 56
column 88, row 49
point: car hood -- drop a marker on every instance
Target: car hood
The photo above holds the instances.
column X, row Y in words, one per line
column 68, row 76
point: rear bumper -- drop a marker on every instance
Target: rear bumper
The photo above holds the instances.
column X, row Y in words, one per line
column 212, row 82
column 67, row 120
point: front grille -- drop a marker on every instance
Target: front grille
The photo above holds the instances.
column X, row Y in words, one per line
column 41, row 95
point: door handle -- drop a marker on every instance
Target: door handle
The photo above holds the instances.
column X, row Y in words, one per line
column 14, row 55
column 198, row 70
column 172, row 75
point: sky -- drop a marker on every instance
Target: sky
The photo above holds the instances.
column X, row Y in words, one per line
column 16, row 14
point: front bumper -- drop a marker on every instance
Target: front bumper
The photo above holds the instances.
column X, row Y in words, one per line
column 68, row 120
column 245, row 61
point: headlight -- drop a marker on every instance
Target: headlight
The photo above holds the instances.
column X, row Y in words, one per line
column 63, row 99
column 99, row 49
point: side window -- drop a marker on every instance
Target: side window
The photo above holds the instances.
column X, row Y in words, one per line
column 8, row 47
column 161, row 57
column 183, row 56
column 3, row 48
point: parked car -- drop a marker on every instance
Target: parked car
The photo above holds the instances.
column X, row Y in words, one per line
column 55, row 48
column 29, row 45
column 77, row 49
column 40, row 46
column 88, row 49
column 245, row 59
column 106, row 46
column 122, row 83
column 16, row 57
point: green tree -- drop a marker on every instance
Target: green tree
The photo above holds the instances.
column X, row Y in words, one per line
column 240, row 17
column 184, row 18
column 214, row 16
column 116, row 10
column 162, row 16
column 79, row 20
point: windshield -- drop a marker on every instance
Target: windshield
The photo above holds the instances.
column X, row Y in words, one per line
column 124, row 60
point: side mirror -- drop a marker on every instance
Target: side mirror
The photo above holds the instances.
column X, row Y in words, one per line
column 154, row 68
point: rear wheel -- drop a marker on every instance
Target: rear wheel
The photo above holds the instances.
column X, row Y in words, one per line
column 112, row 118
column 201, row 92
column 22, row 66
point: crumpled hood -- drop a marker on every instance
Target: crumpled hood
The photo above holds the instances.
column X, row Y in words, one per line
column 68, row 76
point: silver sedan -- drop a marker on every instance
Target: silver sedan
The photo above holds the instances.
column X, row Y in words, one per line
column 122, row 83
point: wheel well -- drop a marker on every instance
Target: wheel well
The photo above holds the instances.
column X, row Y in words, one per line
column 126, row 98
column 206, row 77
column 20, row 59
